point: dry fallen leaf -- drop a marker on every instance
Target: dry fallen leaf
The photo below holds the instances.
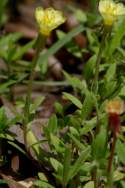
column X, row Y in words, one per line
column 15, row 163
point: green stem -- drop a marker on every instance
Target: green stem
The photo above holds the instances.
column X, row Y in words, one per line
column 98, row 60
column 11, row 97
column 94, row 177
column 106, row 32
column 40, row 43
column 97, row 124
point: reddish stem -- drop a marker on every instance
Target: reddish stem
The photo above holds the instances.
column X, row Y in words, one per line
column 109, row 169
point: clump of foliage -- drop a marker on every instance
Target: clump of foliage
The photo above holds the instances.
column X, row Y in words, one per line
column 85, row 148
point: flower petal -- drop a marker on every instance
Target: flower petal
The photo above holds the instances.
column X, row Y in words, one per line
column 110, row 11
column 48, row 19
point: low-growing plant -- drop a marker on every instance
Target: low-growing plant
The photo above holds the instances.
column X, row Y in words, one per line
column 83, row 143
column 86, row 148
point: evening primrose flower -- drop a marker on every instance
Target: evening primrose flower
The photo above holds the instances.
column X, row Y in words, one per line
column 110, row 11
column 48, row 19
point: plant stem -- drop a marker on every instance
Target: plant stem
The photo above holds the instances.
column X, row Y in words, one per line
column 40, row 43
column 97, row 124
column 63, row 186
column 94, row 177
column 11, row 97
column 111, row 154
column 98, row 60
column 110, row 162
column 95, row 90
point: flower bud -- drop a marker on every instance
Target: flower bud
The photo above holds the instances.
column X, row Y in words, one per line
column 114, row 108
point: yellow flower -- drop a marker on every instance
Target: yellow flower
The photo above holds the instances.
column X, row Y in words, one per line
column 110, row 11
column 48, row 19
column 115, row 106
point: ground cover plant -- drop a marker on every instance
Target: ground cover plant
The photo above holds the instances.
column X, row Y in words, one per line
column 74, row 78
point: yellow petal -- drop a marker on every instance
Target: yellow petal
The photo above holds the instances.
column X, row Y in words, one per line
column 48, row 19
column 120, row 10
column 110, row 11
column 39, row 14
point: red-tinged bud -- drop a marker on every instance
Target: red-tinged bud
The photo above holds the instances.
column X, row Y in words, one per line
column 114, row 108
column 114, row 122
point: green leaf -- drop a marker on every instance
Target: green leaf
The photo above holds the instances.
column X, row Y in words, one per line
column 71, row 46
column 3, row 4
column 42, row 176
column 110, row 88
column 42, row 61
column 117, row 175
column 99, row 145
column 74, row 81
column 22, row 50
column 73, row 99
column 59, row 108
column 8, row 40
column 78, row 164
column 32, row 141
column 11, row 52
column 80, row 15
column 17, row 147
column 56, row 164
column 74, row 131
column 8, row 46
column 88, row 126
column 6, row 85
column 36, row 104
column 7, row 136
column 90, row 184
column 3, row 120
column 66, row 166
column 122, row 51
column 122, row 184
column 120, row 150
column 110, row 74
column 87, row 106
column 76, row 142
column 92, row 38
column 89, row 67
column 42, row 184
column 52, row 125
column 57, row 143
column 116, row 40
column 75, row 122
column 4, row 181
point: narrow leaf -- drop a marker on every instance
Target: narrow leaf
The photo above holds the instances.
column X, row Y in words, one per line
column 23, row 50
column 90, row 184
column 79, row 162
column 66, row 166
column 73, row 99
column 52, row 126
column 42, row 61
column 89, row 67
column 120, row 150
column 87, row 106
column 119, row 33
